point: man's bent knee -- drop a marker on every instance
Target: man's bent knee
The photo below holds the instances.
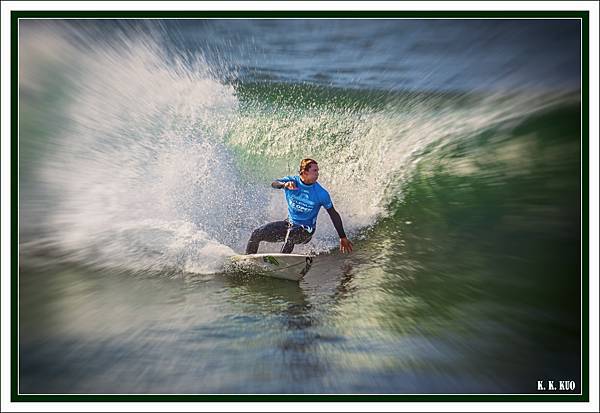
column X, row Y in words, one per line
column 257, row 233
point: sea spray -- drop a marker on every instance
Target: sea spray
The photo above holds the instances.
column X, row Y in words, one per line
column 146, row 156
column 136, row 174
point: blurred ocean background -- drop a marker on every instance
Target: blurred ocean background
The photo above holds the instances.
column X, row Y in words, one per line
column 451, row 148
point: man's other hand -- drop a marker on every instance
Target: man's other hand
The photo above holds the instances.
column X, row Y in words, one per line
column 345, row 245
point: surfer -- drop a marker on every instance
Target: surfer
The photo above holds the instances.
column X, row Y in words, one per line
column 304, row 197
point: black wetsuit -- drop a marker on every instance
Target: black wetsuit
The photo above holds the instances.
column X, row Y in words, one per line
column 291, row 234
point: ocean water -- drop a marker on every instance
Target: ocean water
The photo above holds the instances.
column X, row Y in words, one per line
column 451, row 148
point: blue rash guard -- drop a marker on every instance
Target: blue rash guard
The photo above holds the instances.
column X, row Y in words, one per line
column 305, row 202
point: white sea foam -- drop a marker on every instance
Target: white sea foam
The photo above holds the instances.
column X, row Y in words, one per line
column 137, row 176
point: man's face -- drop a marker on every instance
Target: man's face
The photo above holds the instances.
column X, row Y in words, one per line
column 311, row 175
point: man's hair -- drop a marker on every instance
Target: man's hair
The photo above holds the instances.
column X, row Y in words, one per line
column 306, row 163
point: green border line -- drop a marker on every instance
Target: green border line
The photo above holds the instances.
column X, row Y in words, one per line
column 585, row 208
column 171, row 14
column 583, row 397
column 295, row 398
column 14, row 215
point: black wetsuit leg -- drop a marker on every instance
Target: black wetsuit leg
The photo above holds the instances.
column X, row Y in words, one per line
column 298, row 235
column 271, row 232
column 277, row 232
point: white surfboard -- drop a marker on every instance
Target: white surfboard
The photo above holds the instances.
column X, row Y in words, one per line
column 284, row 266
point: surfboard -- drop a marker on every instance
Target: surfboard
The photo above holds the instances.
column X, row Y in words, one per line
column 284, row 266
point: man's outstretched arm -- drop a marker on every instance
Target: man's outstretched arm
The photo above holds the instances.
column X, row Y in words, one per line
column 345, row 244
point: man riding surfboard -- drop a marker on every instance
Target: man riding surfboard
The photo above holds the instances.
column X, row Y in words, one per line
column 304, row 197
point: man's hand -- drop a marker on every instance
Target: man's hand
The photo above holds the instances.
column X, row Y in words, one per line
column 290, row 185
column 345, row 245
